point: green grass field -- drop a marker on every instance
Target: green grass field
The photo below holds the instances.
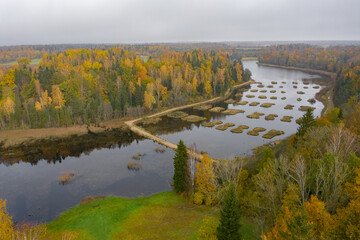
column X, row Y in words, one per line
column 161, row 216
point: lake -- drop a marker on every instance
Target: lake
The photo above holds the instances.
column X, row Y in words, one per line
column 32, row 189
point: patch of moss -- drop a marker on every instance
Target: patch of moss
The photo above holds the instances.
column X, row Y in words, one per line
column 225, row 126
column 217, row 109
column 271, row 116
column 286, row 118
column 254, row 104
column 212, row 123
column 267, row 105
column 273, row 133
column 177, row 114
column 305, row 108
column 193, row 118
column 232, row 111
column 239, row 129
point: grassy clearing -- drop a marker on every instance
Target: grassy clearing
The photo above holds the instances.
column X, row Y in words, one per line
column 203, row 107
column 217, row 109
column 286, row 118
column 212, row 123
column 271, row 117
column 305, row 108
column 193, row 118
column 267, row 105
column 33, row 62
column 150, row 121
column 253, row 104
column 239, row 129
column 230, row 101
column 272, row 133
column 225, row 126
column 241, row 103
column 232, row 111
column 255, row 115
column 262, row 97
column 255, row 131
column 177, row 114
column 289, row 107
column 161, row 216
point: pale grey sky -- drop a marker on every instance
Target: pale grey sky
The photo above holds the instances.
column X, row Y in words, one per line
column 140, row 21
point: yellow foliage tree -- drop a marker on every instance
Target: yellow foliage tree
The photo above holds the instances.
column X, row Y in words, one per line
column 205, row 180
column 8, row 106
column 149, row 100
column 45, row 100
column 6, row 227
column 38, row 106
column 57, row 97
column 9, row 79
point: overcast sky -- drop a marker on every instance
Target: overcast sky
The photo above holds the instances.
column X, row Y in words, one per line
column 140, row 21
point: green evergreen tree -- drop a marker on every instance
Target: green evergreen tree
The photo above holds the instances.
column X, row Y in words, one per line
column 229, row 226
column 180, row 167
column 307, row 121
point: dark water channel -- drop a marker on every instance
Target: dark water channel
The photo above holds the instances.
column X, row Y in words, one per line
column 30, row 183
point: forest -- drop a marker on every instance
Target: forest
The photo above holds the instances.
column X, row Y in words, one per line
column 82, row 86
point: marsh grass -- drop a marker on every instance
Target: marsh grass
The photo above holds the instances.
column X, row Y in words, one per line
column 294, row 86
column 281, row 86
column 203, row 107
column 260, row 86
column 267, row 105
column 316, row 87
column 271, row 117
column 289, row 107
column 193, row 118
column 305, row 108
column 230, row 101
column 262, row 97
column 225, row 126
column 273, row 91
column 300, row 92
column 177, row 114
column 212, row 123
column 217, row 109
column 311, row 100
column 159, row 149
column 250, row 96
column 306, row 87
column 255, row 131
column 283, row 98
column 134, row 166
column 273, row 82
column 255, row 115
column 270, row 86
column 239, row 129
column 273, row 98
column 298, row 99
column 286, row 118
column 254, row 90
column 263, row 91
column 254, row 104
column 66, row 177
column 273, row 133
column 232, row 111
column 241, row 103
column 150, row 121
column 283, row 92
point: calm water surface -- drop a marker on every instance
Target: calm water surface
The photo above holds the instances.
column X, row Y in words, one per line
column 33, row 192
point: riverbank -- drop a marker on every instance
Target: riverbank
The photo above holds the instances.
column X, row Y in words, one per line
column 325, row 95
column 17, row 137
column 161, row 216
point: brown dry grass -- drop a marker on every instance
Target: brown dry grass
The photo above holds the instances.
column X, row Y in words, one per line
column 232, row 111
column 212, row 124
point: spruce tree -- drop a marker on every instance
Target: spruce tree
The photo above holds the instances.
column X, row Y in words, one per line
column 180, row 167
column 307, row 121
column 229, row 226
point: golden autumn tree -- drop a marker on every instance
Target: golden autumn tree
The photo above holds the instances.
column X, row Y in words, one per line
column 24, row 61
column 57, row 97
column 205, row 181
column 238, row 69
column 6, row 226
column 149, row 100
column 8, row 106
column 45, row 100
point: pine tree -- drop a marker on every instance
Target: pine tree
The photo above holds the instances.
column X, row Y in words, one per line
column 307, row 121
column 180, row 167
column 229, row 226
